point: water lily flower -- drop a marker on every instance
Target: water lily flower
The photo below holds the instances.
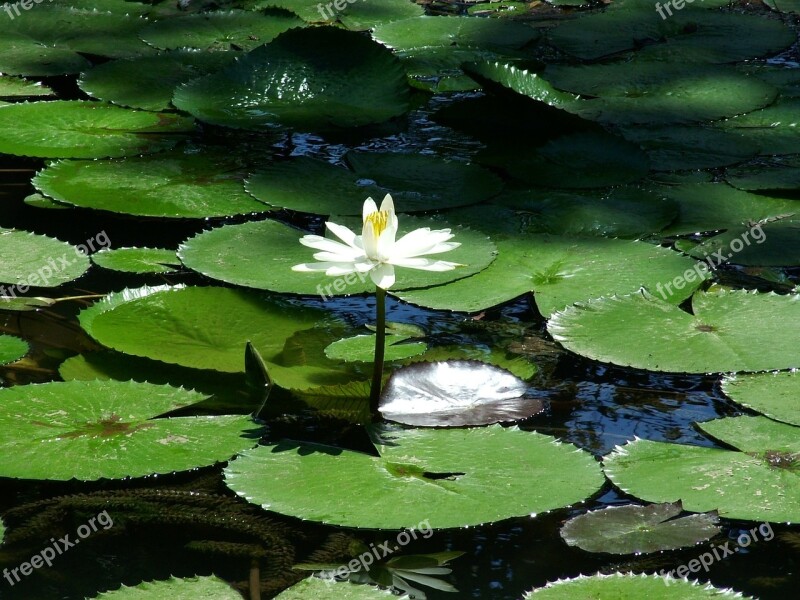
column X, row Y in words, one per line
column 377, row 251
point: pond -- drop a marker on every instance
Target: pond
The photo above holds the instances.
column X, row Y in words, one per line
column 555, row 353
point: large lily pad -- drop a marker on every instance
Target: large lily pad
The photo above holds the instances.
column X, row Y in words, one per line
column 31, row 260
column 261, row 255
column 774, row 128
column 78, row 129
column 218, row 30
column 629, row 587
column 460, row 476
column 776, row 395
column 148, row 82
column 193, row 588
column 700, row 35
column 455, row 393
column 108, row 429
column 635, row 529
column 320, row 589
column 759, row 482
column 728, row 331
column 23, row 55
column 416, row 183
column 782, row 173
column 11, row 348
column 207, row 328
column 560, row 270
column 175, row 185
column 312, row 77
column 353, row 15
column 624, row 212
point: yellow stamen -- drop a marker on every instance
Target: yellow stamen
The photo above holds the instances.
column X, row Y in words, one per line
column 379, row 220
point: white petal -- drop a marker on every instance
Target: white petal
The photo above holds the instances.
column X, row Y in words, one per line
column 443, row 247
column 383, row 276
column 370, row 241
column 420, row 241
column 388, row 203
column 425, row 264
column 343, row 233
column 320, row 243
column 369, row 208
column 311, row 267
column 336, row 257
column 384, row 248
column 336, row 269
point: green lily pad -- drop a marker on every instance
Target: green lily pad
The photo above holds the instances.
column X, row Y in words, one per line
column 312, row 78
column 353, row 15
column 179, row 184
column 629, row 587
column 90, row 430
column 24, row 55
column 776, row 395
column 361, row 348
column 578, row 160
column 774, row 128
column 712, row 206
column 729, row 331
column 39, row 201
column 635, row 529
column 11, row 348
column 700, row 35
column 452, row 472
column 16, row 87
column 757, row 482
column 320, row 589
column 623, row 212
column 148, row 82
column 208, row 328
column 455, row 393
column 24, row 304
column 416, row 183
column 78, row 129
column 782, row 173
column 676, row 147
column 468, row 32
column 192, row 588
column 218, row 30
column 771, row 244
column 261, row 254
column 31, row 260
column 560, row 270
column 137, row 260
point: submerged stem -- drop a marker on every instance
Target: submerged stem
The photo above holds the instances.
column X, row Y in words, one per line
column 380, row 346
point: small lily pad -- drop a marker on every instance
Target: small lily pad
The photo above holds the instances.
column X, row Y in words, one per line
column 769, row 244
column 24, row 304
column 776, row 395
column 16, row 87
column 451, row 472
column 137, row 260
column 635, row 529
column 320, row 589
column 79, row 129
column 90, row 430
column 757, row 482
column 361, row 348
column 192, row 588
column 455, row 393
column 11, row 348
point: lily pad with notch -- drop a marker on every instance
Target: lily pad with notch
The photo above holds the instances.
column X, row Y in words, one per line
column 137, row 260
column 630, row 586
column 452, row 472
column 89, row 430
column 756, row 482
column 776, row 395
column 32, row 260
column 454, row 394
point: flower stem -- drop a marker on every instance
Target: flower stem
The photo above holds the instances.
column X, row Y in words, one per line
column 380, row 346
